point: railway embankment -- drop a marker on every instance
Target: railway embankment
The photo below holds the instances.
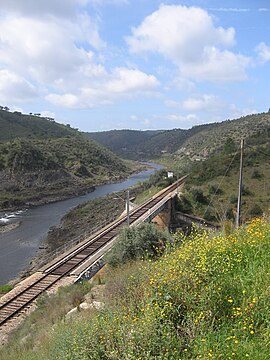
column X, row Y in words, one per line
column 206, row 297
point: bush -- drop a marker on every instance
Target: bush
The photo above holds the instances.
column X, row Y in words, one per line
column 256, row 174
column 137, row 242
column 214, row 189
column 256, row 210
column 198, row 195
column 184, row 205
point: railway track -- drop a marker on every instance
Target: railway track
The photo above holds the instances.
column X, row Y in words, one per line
column 14, row 306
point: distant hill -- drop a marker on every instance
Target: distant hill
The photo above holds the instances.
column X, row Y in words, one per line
column 125, row 143
column 41, row 161
column 196, row 143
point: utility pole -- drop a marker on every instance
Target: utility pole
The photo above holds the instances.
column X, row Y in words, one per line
column 127, row 206
column 238, row 216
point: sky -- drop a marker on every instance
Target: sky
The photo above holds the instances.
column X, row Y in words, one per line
column 135, row 64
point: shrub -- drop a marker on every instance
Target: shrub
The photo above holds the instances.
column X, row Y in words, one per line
column 256, row 174
column 198, row 195
column 256, row 210
column 184, row 205
column 137, row 242
column 214, row 189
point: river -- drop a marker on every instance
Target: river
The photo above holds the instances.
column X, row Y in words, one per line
column 20, row 245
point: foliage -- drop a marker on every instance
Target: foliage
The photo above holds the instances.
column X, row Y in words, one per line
column 199, row 196
column 5, row 288
column 256, row 174
column 184, row 205
column 209, row 298
column 256, row 210
column 215, row 189
column 137, row 242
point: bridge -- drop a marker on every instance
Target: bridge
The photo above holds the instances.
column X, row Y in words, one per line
column 82, row 260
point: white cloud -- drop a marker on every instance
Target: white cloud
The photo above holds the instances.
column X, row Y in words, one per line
column 42, row 8
column 230, row 9
column 14, row 88
column 263, row 9
column 178, row 118
column 48, row 114
column 188, row 37
column 263, row 52
column 216, row 65
column 120, row 83
column 209, row 103
column 235, row 112
column 61, row 56
column 106, row 2
column 47, row 50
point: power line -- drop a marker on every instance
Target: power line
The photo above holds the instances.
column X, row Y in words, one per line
column 219, row 185
column 258, row 150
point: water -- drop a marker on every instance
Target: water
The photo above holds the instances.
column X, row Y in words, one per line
column 20, row 245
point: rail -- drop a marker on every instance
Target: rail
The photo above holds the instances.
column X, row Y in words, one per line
column 67, row 264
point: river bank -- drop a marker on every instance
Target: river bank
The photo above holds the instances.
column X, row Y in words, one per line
column 51, row 195
column 21, row 245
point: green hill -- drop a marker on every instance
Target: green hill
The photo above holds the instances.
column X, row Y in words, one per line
column 212, row 187
column 125, row 143
column 15, row 125
column 43, row 161
column 211, row 140
column 196, row 143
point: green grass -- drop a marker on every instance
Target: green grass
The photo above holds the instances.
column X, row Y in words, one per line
column 5, row 288
column 206, row 299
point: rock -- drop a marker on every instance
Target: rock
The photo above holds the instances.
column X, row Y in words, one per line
column 98, row 305
column 71, row 313
column 85, row 306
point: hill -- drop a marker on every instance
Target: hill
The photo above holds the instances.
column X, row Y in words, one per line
column 16, row 125
column 43, row 161
column 124, row 143
column 211, row 140
column 143, row 145
column 212, row 188
column 196, row 143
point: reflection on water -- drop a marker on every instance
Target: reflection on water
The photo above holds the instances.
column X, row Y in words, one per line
column 19, row 246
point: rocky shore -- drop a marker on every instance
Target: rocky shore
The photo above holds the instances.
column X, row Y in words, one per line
column 8, row 227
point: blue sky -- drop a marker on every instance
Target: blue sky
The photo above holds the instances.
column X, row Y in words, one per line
column 135, row 64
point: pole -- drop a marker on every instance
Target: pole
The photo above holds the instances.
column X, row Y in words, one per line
column 238, row 216
column 128, row 220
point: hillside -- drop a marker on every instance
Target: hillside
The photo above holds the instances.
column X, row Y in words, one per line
column 210, row 140
column 43, row 161
column 212, row 187
column 144, row 145
column 196, row 143
column 16, row 125
column 207, row 297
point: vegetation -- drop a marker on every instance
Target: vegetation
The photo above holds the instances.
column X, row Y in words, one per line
column 207, row 298
column 55, row 162
column 137, row 243
column 194, row 144
column 5, row 288
column 17, row 125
